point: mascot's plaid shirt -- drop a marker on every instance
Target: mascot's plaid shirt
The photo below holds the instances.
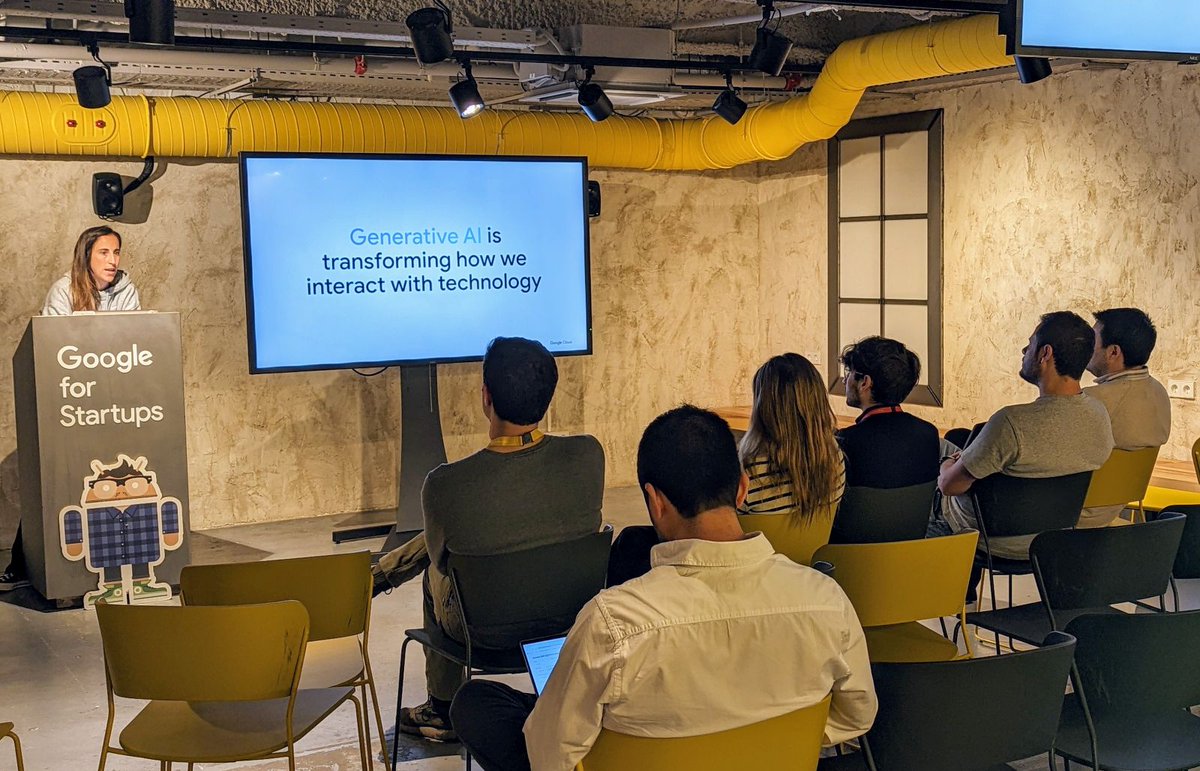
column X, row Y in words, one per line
column 122, row 537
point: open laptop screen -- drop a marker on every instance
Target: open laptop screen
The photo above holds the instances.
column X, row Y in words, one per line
column 540, row 658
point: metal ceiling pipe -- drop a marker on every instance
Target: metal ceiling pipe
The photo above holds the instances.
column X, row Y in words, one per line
column 55, row 124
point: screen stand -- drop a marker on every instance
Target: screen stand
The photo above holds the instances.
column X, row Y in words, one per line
column 422, row 449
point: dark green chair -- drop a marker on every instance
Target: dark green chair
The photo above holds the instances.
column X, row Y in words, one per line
column 1087, row 571
column 507, row 598
column 882, row 515
column 1135, row 679
column 965, row 715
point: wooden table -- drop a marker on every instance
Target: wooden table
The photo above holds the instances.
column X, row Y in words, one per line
column 1169, row 474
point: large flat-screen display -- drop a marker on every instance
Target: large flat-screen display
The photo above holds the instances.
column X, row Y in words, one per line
column 1113, row 29
column 360, row 261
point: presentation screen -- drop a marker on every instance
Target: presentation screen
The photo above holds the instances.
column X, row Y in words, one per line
column 361, row 261
column 1114, row 29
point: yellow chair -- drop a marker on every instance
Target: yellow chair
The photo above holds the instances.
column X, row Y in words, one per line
column 1122, row 480
column 791, row 741
column 6, row 731
column 221, row 683
column 796, row 542
column 335, row 590
column 894, row 585
column 1196, row 458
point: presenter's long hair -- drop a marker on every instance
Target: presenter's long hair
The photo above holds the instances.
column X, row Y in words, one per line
column 84, row 294
column 792, row 426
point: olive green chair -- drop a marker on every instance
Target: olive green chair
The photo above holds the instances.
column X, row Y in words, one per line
column 893, row 586
column 791, row 741
column 335, row 590
column 222, row 683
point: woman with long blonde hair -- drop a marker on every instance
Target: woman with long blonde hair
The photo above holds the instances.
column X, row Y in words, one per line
column 95, row 282
column 789, row 450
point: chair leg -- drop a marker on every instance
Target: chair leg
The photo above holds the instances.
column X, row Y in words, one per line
column 17, row 750
column 360, row 719
column 366, row 719
column 379, row 724
column 399, row 698
column 1175, row 593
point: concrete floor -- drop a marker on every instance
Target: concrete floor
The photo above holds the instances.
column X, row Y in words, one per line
column 52, row 677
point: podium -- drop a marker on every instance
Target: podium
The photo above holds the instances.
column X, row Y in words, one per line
column 102, row 455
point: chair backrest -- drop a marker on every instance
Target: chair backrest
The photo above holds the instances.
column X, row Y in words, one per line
column 1139, row 664
column 796, row 542
column 1124, row 477
column 894, row 583
column 879, row 515
column 1105, row 565
column 1187, row 559
column 791, row 741
column 1011, row 506
column 234, row 653
column 943, row 716
column 531, row 592
column 334, row 588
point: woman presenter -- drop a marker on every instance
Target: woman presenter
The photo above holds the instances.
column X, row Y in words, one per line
column 95, row 282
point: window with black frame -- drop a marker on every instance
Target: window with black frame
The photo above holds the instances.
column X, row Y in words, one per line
column 885, row 241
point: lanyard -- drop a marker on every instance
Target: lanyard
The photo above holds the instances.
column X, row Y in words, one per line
column 524, row 440
column 878, row 409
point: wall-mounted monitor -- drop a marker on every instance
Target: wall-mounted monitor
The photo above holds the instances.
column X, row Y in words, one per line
column 376, row 260
column 1109, row 29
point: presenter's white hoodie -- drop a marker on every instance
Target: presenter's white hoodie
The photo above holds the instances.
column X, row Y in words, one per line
column 120, row 295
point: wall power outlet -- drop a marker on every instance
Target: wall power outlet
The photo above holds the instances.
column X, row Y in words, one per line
column 1181, row 389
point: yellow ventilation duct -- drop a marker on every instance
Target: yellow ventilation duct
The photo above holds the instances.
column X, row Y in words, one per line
column 54, row 124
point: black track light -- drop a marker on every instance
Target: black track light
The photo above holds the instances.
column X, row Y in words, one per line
column 465, row 94
column 593, row 100
column 1031, row 69
column 729, row 105
column 430, row 30
column 771, row 49
column 151, row 21
column 92, row 82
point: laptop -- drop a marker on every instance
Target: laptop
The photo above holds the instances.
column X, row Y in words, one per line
column 540, row 657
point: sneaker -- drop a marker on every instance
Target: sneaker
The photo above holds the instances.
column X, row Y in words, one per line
column 106, row 594
column 10, row 581
column 144, row 590
column 424, row 721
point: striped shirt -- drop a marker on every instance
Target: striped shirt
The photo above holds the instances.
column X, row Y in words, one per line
column 770, row 490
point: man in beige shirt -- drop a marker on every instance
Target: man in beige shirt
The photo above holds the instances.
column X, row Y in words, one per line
column 1137, row 404
column 722, row 632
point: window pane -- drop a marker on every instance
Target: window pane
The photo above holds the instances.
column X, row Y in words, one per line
column 858, row 181
column 910, row 325
column 858, row 268
column 906, row 259
column 906, row 173
column 856, row 321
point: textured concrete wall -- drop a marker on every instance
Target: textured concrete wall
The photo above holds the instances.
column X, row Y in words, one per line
column 671, row 259
column 1080, row 192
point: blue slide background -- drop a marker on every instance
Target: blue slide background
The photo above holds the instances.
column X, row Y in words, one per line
column 1169, row 26
column 300, row 209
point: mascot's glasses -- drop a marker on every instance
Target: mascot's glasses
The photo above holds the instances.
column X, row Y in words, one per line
column 135, row 487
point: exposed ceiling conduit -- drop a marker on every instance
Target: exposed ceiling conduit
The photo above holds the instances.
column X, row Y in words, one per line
column 54, row 124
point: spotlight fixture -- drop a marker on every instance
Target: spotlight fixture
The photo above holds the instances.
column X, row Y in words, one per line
column 593, row 100
column 771, row 49
column 465, row 94
column 151, row 21
column 1031, row 69
column 729, row 105
column 430, row 30
column 92, row 82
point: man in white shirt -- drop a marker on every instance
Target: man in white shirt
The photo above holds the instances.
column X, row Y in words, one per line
column 1137, row 404
column 722, row 632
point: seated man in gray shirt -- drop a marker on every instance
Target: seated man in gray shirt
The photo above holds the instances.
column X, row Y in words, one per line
column 1137, row 404
column 525, row 489
column 1063, row 431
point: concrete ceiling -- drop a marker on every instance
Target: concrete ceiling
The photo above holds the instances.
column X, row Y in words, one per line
column 816, row 32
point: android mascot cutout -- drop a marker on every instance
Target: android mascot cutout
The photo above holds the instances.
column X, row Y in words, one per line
column 122, row 530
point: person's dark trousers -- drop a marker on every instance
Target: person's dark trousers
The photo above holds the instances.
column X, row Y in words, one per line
column 488, row 718
column 630, row 554
column 16, row 564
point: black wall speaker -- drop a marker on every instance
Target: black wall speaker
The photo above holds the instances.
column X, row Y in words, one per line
column 593, row 202
column 108, row 194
